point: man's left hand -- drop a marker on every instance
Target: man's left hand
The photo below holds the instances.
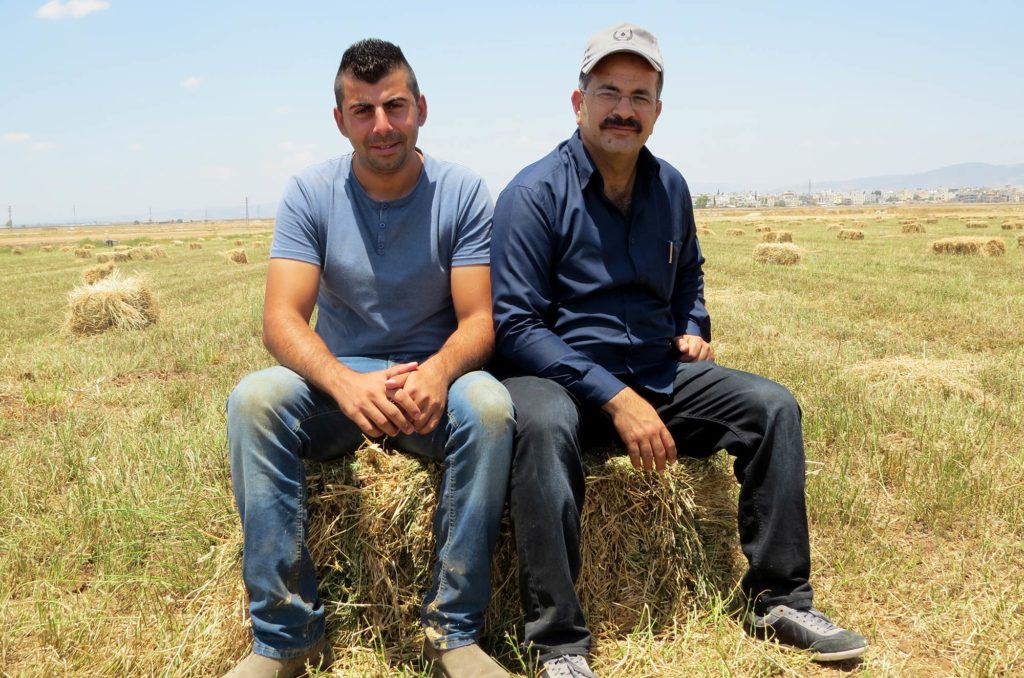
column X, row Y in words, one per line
column 693, row 348
column 428, row 389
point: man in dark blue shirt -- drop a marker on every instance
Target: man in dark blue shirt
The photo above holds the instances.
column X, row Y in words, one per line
column 599, row 307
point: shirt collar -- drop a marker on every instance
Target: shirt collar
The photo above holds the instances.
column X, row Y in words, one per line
column 647, row 164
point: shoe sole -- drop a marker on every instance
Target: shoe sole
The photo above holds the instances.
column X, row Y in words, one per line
column 836, row 656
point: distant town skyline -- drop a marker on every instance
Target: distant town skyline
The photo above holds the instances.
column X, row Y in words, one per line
column 113, row 108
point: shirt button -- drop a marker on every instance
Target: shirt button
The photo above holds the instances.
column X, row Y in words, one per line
column 632, row 241
column 381, row 225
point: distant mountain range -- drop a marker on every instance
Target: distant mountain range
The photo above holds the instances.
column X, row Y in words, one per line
column 962, row 175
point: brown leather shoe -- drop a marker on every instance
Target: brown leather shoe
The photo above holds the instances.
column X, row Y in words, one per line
column 320, row 656
column 468, row 661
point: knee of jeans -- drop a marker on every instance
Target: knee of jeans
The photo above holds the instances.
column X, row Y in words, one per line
column 489, row 406
column 258, row 396
column 545, row 409
column 774, row 399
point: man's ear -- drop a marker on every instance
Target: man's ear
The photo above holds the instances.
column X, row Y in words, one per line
column 421, row 107
column 577, row 104
column 339, row 120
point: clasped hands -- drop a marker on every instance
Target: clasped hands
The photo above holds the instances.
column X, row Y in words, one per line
column 406, row 398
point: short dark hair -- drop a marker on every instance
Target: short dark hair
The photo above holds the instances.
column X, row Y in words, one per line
column 370, row 60
column 585, row 80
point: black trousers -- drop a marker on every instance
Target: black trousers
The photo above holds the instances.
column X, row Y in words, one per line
column 711, row 407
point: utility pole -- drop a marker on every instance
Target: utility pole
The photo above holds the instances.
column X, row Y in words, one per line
column 151, row 214
column 74, row 212
column 247, row 211
column 10, row 221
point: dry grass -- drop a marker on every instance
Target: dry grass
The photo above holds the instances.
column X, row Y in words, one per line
column 975, row 223
column 850, row 234
column 777, row 236
column 112, row 303
column 46, row 248
column 931, row 220
column 17, row 250
column 704, row 230
column 195, row 246
column 236, row 256
column 82, row 253
column 98, row 272
column 762, row 228
column 910, row 376
column 1013, row 225
column 734, row 231
column 989, row 247
column 784, row 254
column 122, row 248
column 912, row 228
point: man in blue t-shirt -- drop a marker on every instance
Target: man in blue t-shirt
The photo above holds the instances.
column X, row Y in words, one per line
column 392, row 247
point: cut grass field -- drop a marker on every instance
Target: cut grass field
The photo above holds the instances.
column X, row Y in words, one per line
column 119, row 543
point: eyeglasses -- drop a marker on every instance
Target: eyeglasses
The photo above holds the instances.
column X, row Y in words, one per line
column 609, row 98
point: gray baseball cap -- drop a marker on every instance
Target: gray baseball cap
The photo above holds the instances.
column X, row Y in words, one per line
column 622, row 38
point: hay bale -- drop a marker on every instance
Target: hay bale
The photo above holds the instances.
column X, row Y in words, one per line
column 907, row 222
column 912, row 228
column 850, row 234
column 111, row 303
column 47, row 248
column 1020, row 241
column 98, row 272
column 156, row 252
column 121, row 256
column 104, row 257
column 1013, row 225
column 931, row 220
column 783, row 254
column 67, row 248
column 988, row 247
column 734, row 231
column 777, row 236
column 195, row 246
column 139, row 253
column 122, row 248
column 977, row 224
column 236, row 256
column 704, row 230
column 178, row 242
column 652, row 545
column 82, row 253
column 17, row 249
column 239, row 243
column 762, row 228
column 88, row 246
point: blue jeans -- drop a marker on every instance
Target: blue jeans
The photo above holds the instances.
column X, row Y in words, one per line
column 276, row 420
column 711, row 407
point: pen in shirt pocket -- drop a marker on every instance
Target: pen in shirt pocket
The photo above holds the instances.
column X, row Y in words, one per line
column 671, row 250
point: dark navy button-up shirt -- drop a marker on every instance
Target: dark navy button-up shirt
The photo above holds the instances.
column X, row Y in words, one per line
column 585, row 296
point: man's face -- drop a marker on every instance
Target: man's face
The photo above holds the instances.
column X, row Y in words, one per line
column 382, row 120
column 615, row 125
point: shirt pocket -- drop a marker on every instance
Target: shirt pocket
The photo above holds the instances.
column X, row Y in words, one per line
column 663, row 266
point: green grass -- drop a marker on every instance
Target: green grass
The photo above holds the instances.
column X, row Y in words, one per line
column 119, row 544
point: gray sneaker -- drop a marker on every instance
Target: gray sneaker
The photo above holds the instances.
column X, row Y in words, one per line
column 806, row 630
column 567, row 666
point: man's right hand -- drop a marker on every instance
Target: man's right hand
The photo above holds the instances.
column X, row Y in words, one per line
column 365, row 399
column 647, row 440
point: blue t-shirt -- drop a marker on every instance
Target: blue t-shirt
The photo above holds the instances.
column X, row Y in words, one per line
column 385, row 286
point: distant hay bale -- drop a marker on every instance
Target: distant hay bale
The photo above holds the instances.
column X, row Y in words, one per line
column 236, row 256
column 931, row 220
column 704, row 230
column 977, row 224
column 157, row 252
column 98, row 272
column 67, row 248
column 17, row 249
column 784, row 254
column 907, row 222
column 988, row 247
column 912, row 228
column 139, row 253
column 122, row 248
column 195, row 246
column 178, row 242
column 121, row 256
column 1013, row 225
column 652, row 546
column 762, row 228
column 850, row 234
column 47, row 248
column 777, row 236
column 104, row 257
column 111, row 303
column 239, row 243
column 734, row 231
column 1020, row 241
column 89, row 246
column 82, row 253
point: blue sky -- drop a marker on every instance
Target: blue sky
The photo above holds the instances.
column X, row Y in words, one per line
column 115, row 107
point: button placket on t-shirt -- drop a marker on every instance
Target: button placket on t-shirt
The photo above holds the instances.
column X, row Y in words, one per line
column 381, row 229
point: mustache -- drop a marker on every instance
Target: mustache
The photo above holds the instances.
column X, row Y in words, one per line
column 619, row 121
column 391, row 138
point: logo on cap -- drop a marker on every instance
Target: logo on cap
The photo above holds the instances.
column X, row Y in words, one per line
column 623, row 34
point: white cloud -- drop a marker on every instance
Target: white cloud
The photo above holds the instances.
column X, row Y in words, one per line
column 43, row 146
column 135, row 148
column 191, row 82
column 70, row 9
column 15, row 137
